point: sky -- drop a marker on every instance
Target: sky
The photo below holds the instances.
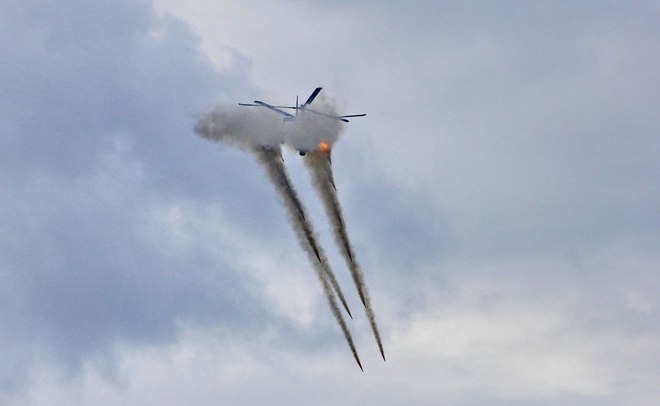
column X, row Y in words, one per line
column 502, row 196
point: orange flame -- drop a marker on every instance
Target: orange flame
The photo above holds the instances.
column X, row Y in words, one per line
column 324, row 147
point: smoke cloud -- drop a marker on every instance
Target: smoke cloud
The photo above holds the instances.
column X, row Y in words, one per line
column 262, row 132
column 241, row 128
column 247, row 128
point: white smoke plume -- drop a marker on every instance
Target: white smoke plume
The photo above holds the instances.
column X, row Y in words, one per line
column 241, row 127
column 246, row 127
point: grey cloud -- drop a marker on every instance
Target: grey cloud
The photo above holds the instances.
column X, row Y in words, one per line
column 97, row 104
column 512, row 144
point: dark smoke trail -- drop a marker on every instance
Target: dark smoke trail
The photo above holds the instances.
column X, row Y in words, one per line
column 269, row 158
column 321, row 170
column 278, row 176
column 335, row 310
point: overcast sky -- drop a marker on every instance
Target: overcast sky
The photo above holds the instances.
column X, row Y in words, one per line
column 502, row 195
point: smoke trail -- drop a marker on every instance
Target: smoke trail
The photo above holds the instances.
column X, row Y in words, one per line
column 270, row 159
column 321, row 171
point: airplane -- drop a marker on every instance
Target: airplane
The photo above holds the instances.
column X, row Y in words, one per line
column 300, row 107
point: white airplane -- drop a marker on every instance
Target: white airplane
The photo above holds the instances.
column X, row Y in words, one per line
column 300, row 107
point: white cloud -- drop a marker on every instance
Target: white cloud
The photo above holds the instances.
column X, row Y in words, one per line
column 477, row 339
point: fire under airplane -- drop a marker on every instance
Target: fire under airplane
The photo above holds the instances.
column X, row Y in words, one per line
column 302, row 108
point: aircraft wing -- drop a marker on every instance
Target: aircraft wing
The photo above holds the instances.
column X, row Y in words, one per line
column 262, row 105
column 275, row 109
column 327, row 115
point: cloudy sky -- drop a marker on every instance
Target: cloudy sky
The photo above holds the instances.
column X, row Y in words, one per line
column 502, row 196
